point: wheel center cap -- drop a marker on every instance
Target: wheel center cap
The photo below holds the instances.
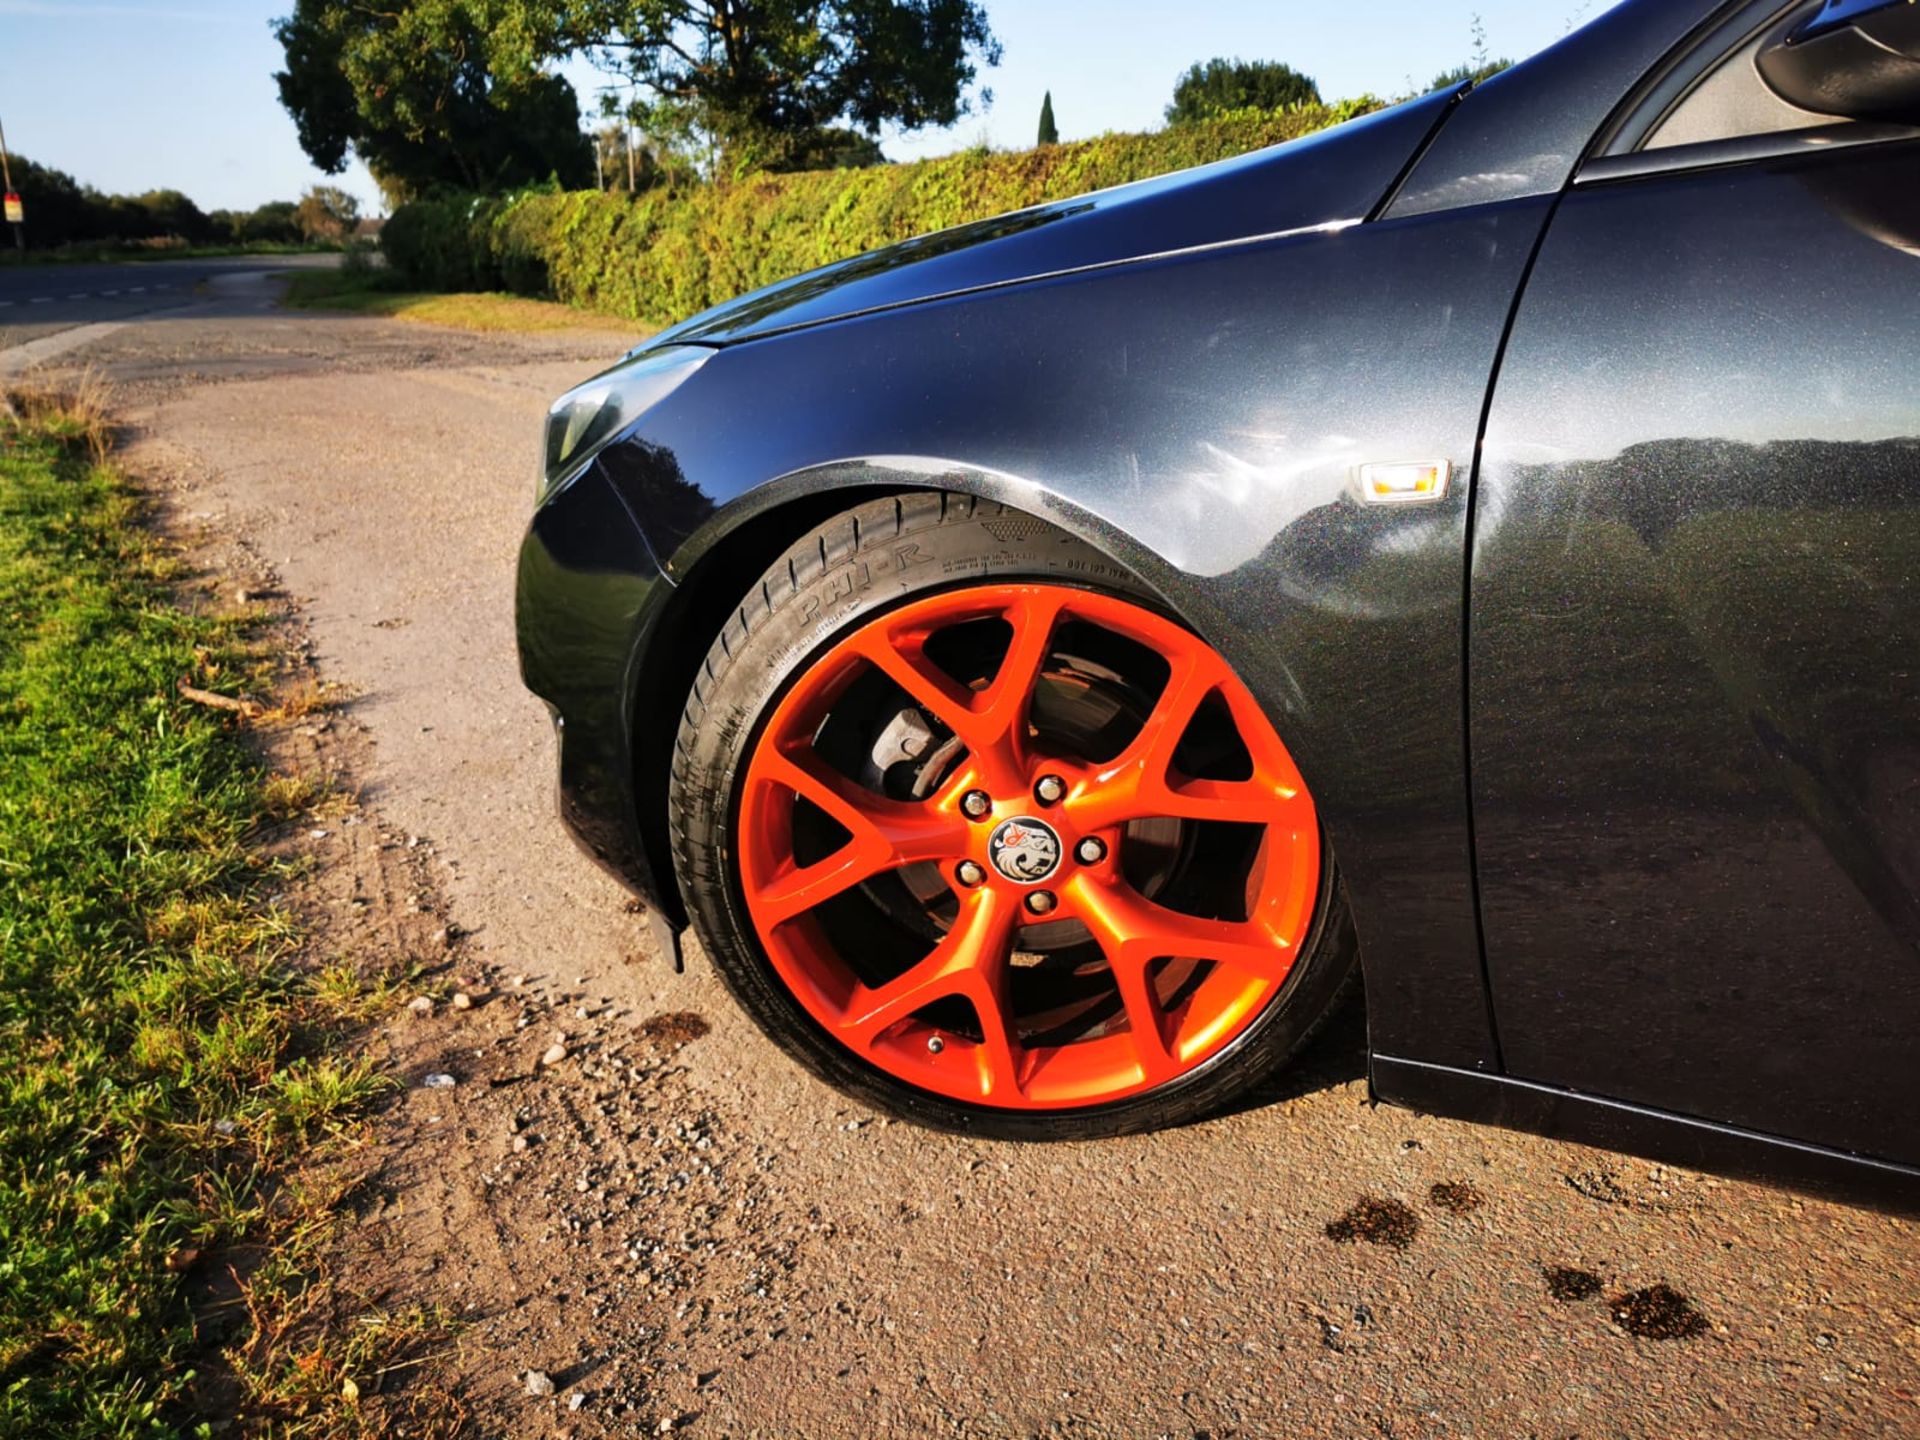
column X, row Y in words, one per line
column 1024, row 850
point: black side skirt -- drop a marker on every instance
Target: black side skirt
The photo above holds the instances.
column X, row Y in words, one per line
column 1656, row 1134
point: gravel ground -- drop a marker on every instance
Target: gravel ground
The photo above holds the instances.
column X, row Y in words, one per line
column 653, row 1223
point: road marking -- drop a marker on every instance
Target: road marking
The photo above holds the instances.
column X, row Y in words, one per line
column 105, row 293
column 5, row 304
column 138, row 290
column 81, row 296
column 41, row 300
column 20, row 357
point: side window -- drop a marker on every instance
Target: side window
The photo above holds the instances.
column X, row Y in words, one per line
column 1731, row 100
column 1851, row 68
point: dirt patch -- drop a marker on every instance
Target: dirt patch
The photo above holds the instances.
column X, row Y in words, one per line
column 1456, row 1197
column 1571, row 1285
column 1658, row 1312
column 1376, row 1221
column 676, row 1028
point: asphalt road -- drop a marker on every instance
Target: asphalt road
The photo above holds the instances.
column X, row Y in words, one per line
column 679, row 1227
column 37, row 301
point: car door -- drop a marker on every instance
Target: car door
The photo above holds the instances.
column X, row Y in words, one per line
column 1693, row 684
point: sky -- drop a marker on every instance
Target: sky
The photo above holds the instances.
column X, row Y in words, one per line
column 133, row 95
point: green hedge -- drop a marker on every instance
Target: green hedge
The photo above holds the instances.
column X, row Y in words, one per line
column 663, row 255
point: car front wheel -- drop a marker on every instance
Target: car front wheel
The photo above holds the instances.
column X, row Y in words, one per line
column 984, row 836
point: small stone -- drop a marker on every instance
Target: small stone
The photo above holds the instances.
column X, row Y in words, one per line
column 413, row 842
column 665, row 1426
column 517, row 981
column 539, row 1383
column 576, row 1400
column 462, row 1001
column 444, row 937
column 555, row 1054
column 319, row 834
column 225, row 1127
column 421, row 1005
column 581, row 1012
column 439, row 1080
column 520, row 1143
column 243, row 596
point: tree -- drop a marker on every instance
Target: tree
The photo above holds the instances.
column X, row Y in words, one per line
column 326, row 212
column 1479, row 68
column 833, row 147
column 1049, row 132
column 1222, row 85
column 160, row 213
column 434, row 92
column 272, row 222
column 763, row 78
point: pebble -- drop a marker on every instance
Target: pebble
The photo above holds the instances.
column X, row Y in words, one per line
column 439, row 1080
column 539, row 1383
column 421, row 1005
column 576, row 1400
column 463, row 1001
column 225, row 1127
column 444, row 938
column 555, row 1054
column 319, row 834
column 520, row 1143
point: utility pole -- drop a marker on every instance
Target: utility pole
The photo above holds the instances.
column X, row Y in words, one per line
column 16, row 213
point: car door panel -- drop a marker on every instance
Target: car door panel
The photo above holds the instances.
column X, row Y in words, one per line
column 1694, row 658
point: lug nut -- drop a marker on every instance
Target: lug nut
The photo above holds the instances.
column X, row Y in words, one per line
column 1049, row 789
column 976, row 804
column 1090, row 851
column 1041, row 902
column 970, row 873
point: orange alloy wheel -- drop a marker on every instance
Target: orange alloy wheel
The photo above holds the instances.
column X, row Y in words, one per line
column 1089, row 867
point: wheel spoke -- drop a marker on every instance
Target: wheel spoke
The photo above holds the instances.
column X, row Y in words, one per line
column 1134, row 932
column 903, row 660
column 1002, row 709
column 885, row 834
column 977, row 948
column 1135, row 983
column 1000, row 1048
column 991, row 723
column 1248, row 802
column 1141, row 781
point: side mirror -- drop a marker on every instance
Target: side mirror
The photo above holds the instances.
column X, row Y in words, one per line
column 1857, row 58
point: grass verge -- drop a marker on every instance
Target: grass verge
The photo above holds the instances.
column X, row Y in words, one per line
column 174, row 1091
column 374, row 293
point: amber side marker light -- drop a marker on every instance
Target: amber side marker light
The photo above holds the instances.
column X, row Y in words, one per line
column 1411, row 482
